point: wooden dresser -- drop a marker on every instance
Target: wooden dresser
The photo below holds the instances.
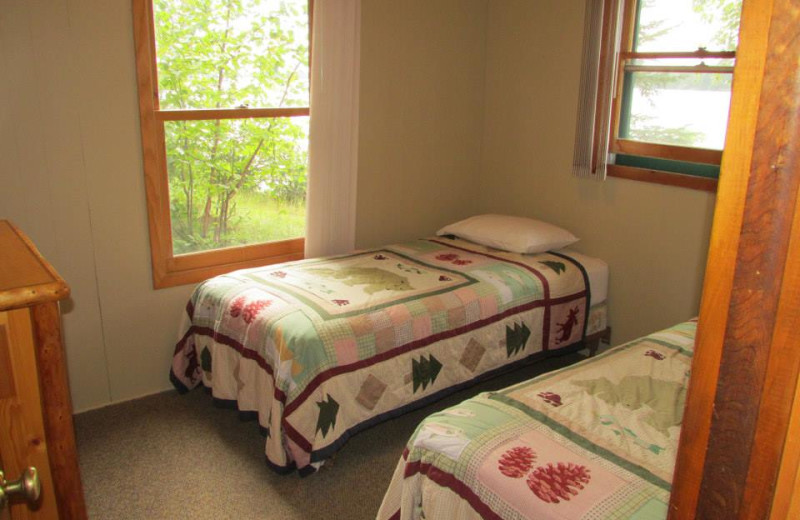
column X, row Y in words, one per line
column 36, row 428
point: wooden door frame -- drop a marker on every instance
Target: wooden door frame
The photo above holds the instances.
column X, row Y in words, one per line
column 746, row 364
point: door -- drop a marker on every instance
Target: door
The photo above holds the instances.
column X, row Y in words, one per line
column 22, row 440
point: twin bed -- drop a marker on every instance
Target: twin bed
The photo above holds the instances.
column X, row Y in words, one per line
column 320, row 349
column 596, row 440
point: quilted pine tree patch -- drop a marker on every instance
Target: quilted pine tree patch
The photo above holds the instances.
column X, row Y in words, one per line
column 327, row 415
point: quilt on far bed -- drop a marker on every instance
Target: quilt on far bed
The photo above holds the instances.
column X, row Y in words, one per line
column 596, row 440
column 321, row 348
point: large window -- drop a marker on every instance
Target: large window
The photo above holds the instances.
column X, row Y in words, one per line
column 673, row 88
column 224, row 95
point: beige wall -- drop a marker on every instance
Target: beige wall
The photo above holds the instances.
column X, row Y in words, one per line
column 653, row 237
column 71, row 177
column 422, row 78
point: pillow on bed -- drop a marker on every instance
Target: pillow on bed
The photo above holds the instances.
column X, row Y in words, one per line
column 517, row 234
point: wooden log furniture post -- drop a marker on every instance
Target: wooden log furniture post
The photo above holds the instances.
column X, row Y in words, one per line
column 735, row 460
column 36, row 426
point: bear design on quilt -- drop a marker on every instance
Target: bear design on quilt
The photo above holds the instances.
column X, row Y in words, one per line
column 665, row 399
column 372, row 278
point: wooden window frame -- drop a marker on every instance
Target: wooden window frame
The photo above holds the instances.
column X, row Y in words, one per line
column 169, row 269
column 618, row 145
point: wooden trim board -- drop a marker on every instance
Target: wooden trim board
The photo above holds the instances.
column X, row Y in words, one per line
column 735, row 423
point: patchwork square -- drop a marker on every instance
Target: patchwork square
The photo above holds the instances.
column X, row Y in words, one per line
column 366, row 345
column 380, row 320
column 417, row 308
column 371, row 392
column 361, row 325
column 422, row 327
column 434, row 304
column 456, row 317
column 465, row 295
column 450, row 300
column 488, row 306
column 472, row 355
column 404, row 333
column 346, row 351
column 385, row 340
column 398, row 314
column 439, row 322
column 473, row 311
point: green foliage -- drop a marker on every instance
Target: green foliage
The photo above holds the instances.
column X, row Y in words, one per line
column 229, row 54
column 650, row 31
column 257, row 214
column 641, row 129
column 728, row 13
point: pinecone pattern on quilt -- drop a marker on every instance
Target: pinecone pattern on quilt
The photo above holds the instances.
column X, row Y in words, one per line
column 556, row 482
column 516, row 462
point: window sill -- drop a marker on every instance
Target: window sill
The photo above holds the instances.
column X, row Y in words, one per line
column 198, row 267
column 659, row 177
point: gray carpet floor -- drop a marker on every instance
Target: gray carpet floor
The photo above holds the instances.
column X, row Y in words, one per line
column 170, row 456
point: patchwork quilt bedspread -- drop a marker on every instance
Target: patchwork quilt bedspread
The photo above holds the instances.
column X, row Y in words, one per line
column 321, row 348
column 596, row 440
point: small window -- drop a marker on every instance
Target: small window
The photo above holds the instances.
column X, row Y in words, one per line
column 224, row 108
column 673, row 90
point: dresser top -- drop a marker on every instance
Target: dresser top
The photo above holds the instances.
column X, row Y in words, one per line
column 25, row 277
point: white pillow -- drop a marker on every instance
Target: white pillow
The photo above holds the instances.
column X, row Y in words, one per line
column 517, row 234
